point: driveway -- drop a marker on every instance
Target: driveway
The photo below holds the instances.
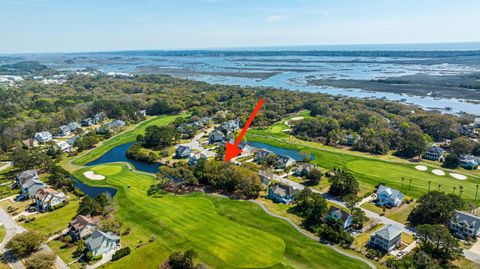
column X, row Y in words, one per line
column 473, row 253
column 195, row 144
column 4, row 166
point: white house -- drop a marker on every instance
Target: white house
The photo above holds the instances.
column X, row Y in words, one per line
column 63, row 131
column 338, row 216
column 74, row 126
column 63, row 145
column 30, row 187
column 388, row 197
column 43, row 137
column 284, row 161
column 465, row 225
column 477, row 122
column 100, row 242
column 46, row 199
column 434, row 153
column 387, row 238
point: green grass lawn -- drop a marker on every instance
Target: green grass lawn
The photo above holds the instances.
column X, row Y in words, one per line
column 65, row 253
column 226, row 233
column 125, row 137
column 53, row 222
column 2, row 233
column 368, row 169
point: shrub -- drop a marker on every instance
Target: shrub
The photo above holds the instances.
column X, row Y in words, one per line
column 41, row 261
column 120, row 253
column 25, row 243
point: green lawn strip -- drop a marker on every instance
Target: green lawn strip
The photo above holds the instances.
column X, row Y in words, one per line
column 226, row 233
column 66, row 254
column 465, row 263
column 126, row 137
column 372, row 172
column 2, row 233
column 53, row 222
column 362, row 239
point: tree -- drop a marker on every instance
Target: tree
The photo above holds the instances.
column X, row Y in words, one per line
column 412, row 144
column 476, row 150
column 312, row 206
column 437, row 241
column 41, row 261
column 179, row 260
column 351, row 201
column 451, row 161
column 99, row 205
column 25, row 243
column 462, row 146
column 314, row 176
column 306, row 155
column 161, row 137
column 343, row 184
column 359, row 218
column 435, row 208
column 59, row 178
column 33, row 158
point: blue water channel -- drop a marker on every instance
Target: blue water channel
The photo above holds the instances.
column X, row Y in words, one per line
column 294, row 154
column 117, row 154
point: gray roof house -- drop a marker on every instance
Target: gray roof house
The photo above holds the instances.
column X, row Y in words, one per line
column 30, row 187
column 87, row 122
column 303, row 169
column 43, row 137
column 231, row 126
column 338, row 216
column 102, row 242
column 216, row 136
column 74, row 126
column 82, row 226
column 387, row 238
column 467, row 130
column 183, row 152
column 433, row 153
column 27, row 174
column 63, row 130
column 71, row 140
column 262, row 154
column 284, row 161
column 388, row 197
column 99, row 117
column 282, row 193
column 116, row 124
column 465, row 225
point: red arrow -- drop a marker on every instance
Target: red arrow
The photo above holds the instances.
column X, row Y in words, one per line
column 232, row 150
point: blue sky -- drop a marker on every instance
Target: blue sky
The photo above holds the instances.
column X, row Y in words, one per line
column 99, row 25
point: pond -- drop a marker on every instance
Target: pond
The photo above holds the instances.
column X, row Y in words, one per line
column 294, row 154
column 93, row 191
column 117, row 154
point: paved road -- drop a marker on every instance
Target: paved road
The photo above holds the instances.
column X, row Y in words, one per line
column 12, row 228
column 368, row 213
column 473, row 253
column 195, row 144
column 311, row 236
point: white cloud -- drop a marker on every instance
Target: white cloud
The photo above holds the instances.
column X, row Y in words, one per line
column 275, row 18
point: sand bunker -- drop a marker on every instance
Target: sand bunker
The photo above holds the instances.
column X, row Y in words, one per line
column 91, row 175
column 438, row 172
column 421, row 167
column 458, row 176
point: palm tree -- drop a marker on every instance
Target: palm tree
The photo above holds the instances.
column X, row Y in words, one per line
column 410, row 185
column 439, row 186
column 454, row 188
column 429, row 182
column 402, row 183
column 476, row 192
column 461, row 190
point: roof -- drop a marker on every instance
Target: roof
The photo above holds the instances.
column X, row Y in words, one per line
column 263, row 153
column 388, row 232
column 392, row 193
column 435, row 149
column 182, row 150
column 64, row 129
column 467, row 218
column 116, row 123
column 27, row 174
column 62, row 145
column 97, row 238
column 477, row 121
column 43, row 135
column 47, row 194
column 30, row 182
column 73, row 126
column 284, row 158
column 284, row 190
column 337, row 213
column 80, row 221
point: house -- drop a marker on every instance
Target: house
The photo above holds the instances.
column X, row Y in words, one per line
column 64, row 146
column 303, row 169
column 247, row 150
column 43, row 137
column 469, row 162
column 142, row 113
column 465, row 225
column 29, row 143
column 388, row 197
column 216, row 136
column 87, row 122
column 183, row 152
column 230, row 126
column 71, row 140
column 99, row 117
column 74, row 126
column 284, row 161
column 351, row 139
column 467, row 130
column 21, row 177
column 82, row 226
column 63, row 130
column 116, row 124
column 194, row 158
column 338, row 216
column 476, row 123
column 282, row 193
column 100, row 242
column 30, row 187
column 265, row 177
column 387, row 238
column 48, row 198
column 434, row 153
column 262, row 154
